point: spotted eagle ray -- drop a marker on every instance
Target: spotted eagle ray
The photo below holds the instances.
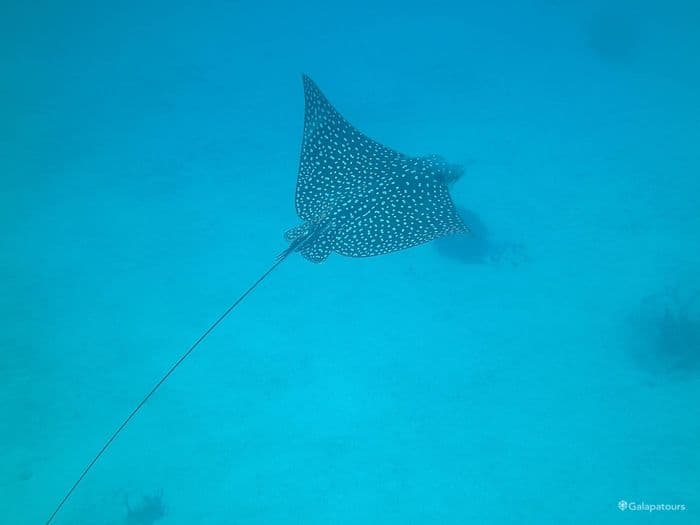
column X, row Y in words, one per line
column 356, row 197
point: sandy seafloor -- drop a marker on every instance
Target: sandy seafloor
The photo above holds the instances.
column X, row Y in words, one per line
column 148, row 157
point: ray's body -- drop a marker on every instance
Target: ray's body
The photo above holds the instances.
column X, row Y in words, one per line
column 356, row 197
column 370, row 199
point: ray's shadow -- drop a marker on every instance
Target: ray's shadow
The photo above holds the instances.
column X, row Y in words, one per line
column 614, row 37
column 479, row 247
column 147, row 510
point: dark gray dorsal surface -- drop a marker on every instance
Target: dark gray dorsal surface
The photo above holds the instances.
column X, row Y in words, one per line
column 359, row 198
column 356, row 197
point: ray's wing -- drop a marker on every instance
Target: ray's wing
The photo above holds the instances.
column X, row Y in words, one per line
column 335, row 157
column 410, row 205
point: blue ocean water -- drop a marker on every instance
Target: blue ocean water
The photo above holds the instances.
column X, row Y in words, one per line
column 540, row 372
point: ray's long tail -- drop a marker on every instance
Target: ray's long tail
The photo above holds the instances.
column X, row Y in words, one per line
column 281, row 257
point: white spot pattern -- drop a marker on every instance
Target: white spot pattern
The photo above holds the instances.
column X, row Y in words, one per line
column 376, row 199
